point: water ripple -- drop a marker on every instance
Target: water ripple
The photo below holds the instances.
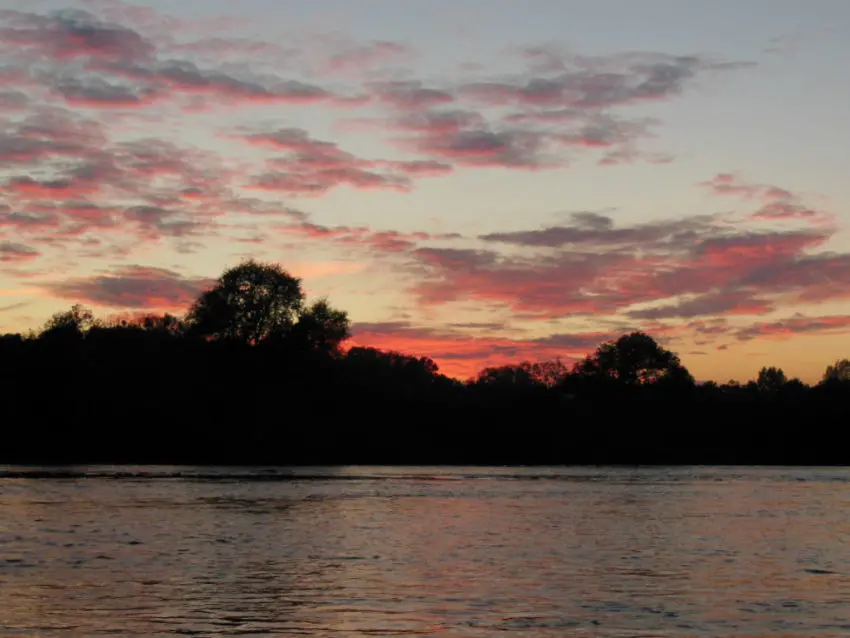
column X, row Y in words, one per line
column 461, row 552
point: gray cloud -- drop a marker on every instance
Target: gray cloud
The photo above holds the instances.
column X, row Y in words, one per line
column 95, row 91
column 133, row 286
column 736, row 302
column 72, row 33
column 595, row 229
column 13, row 100
column 11, row 252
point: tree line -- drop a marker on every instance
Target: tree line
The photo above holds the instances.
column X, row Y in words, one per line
column 253, row 374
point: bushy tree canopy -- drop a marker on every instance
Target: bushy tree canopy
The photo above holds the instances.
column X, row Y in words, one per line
column 75, row 321
column 249, row 303
column 633, row 359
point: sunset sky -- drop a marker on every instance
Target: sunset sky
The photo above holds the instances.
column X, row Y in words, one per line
column 480, row 181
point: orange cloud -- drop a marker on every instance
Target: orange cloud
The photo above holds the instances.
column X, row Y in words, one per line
column 462, row 355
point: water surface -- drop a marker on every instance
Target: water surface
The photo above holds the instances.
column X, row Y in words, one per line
column 425, row 551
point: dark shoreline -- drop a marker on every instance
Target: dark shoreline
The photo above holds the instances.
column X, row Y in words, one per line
column 467, row 427
column 155, row 393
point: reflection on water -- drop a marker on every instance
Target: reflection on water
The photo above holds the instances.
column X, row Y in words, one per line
column 428, row 551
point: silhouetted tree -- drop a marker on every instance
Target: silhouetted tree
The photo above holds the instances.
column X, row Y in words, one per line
column 321, row 328
column 550, row 373
column 166, row 323
column 248, row 303
column 838, row 371
column 770, row 380
column 78, row 319
column 11, row 345
column 388, row 372
column 633, row 359
column 511, row 376
column 67, row 326
column 793, row 389
column 540, row 374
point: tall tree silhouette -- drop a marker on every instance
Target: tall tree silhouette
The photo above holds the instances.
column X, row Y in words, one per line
column 249, row 302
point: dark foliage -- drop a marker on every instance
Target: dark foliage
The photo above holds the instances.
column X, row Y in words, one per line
column 250, row 302
column 284, row 391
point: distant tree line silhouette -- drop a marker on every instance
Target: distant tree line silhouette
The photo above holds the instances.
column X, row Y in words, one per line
column 252, row 374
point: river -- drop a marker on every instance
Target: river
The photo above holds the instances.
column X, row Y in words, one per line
column 450, row 552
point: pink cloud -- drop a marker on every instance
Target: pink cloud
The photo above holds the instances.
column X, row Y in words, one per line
column 70, row 34
column 144, row 188
column 555, row 110
column 101, row 64
column 597, row 82
column 387, row 241
column 731, row 184
column 797, row 324
column 462, row 356
column 12, row 100
column 49, row 136
column 56, row 189
column 777, row 204
column 182, row 77
column 410, row 94
column 135, row 287
column 359, row 57
column 217, row 47
column 11, row 252
column 313, row 167
column 590, row 266
column 97, row 93
column 419, row 168
column 468, row 138
column 509, row 148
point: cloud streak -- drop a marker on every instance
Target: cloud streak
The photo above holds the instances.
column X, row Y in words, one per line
column 11, row 252
column 798, row 324
column 133, row 287
column 312, row 167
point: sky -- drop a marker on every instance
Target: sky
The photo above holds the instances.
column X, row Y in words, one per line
column 479, row 181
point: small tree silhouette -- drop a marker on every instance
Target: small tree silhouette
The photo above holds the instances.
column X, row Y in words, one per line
column 74, row 322
column 838, row 371
column 771, row 380
column 321, row 328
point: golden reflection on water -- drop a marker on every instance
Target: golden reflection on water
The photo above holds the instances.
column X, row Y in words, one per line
column 448, row 552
